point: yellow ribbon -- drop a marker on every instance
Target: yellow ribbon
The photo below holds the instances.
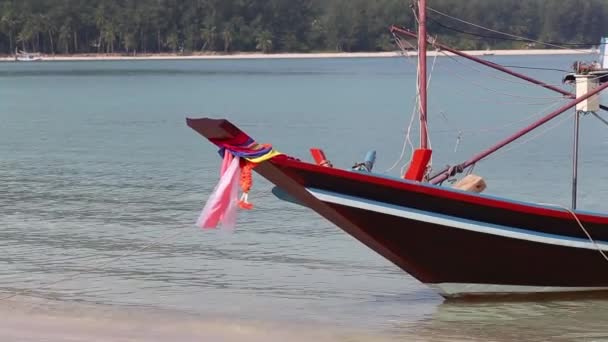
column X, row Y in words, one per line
column 265, row 157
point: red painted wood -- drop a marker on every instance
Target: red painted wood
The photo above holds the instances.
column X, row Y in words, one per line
column 419, row 164
column 319, row 156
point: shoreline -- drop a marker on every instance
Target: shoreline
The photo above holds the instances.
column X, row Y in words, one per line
column 321, row 55
column 35, row 319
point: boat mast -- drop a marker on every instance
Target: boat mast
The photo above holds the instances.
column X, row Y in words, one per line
column 577, row 119
column 422, row 75
column 418, row 168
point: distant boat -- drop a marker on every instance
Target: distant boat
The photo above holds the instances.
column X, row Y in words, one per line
column 488, row 52
column 22, row 56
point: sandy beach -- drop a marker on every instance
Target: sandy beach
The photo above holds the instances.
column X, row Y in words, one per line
column 116, row 57
column 32, row 319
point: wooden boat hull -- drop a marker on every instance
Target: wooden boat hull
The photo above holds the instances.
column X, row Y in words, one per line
column 460, row 244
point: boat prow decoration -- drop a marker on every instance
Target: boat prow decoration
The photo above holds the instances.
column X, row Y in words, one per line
column 247, row 154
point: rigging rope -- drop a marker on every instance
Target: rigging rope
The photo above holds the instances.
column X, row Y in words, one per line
column 428, row 86
column 503, row 33
column 491, row 74
column 509, row 124
column 402, row 48
column 523, row 39
column 597, row 116
column 499, row 91
column 580, row 224
column 407, row 140
column 534, row 137
column 534, row 68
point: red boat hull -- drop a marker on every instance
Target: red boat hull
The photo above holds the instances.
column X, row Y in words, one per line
column 458, row 243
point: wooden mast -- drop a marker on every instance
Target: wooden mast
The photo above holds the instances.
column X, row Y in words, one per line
column 422, row 75
column 418, row 168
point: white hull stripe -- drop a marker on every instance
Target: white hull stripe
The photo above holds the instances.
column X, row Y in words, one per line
column 458, row 289
column 455, row 222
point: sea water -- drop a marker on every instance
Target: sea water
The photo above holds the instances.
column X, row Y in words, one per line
column 101, row 182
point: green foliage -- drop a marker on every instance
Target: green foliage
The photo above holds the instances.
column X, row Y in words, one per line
column 153, row 26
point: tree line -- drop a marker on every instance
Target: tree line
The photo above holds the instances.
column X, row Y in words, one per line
column 187, row 26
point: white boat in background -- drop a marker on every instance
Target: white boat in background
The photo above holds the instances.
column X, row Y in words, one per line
column 22, row 56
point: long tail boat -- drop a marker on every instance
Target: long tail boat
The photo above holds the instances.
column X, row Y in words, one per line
column 458, row 242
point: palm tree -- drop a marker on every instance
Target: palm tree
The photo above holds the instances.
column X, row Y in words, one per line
column 128, row 41
column 227, row 34
column 109, row 35
column 48, row 25
column 209, row 36
column 29, row 31
column 64, row 38
column 264, row 41
column 100, row 23
column 173, row 41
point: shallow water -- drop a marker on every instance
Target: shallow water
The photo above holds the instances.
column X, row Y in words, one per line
column 96, row 162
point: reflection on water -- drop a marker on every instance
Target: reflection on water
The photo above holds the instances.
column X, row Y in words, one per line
column 581, row 320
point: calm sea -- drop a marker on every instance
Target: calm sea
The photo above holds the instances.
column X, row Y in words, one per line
column 96, row 162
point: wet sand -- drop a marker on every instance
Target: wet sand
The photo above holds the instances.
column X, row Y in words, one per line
column 32, row 320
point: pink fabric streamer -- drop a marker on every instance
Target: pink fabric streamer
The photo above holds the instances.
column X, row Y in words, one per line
column 222, row 205
column 226, row 162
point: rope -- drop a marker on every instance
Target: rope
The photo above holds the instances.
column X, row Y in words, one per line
column 503, row 33
column 534, row 137
column 486, row 100
column 501, row 127
column 113, row 260
column 580, row 224
column 503, row 38
column 407, row 141
column 485, row 71
column 403, row 49
column 499, row 91
column 428, row 87
column 535, row 68
column 597, row 116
